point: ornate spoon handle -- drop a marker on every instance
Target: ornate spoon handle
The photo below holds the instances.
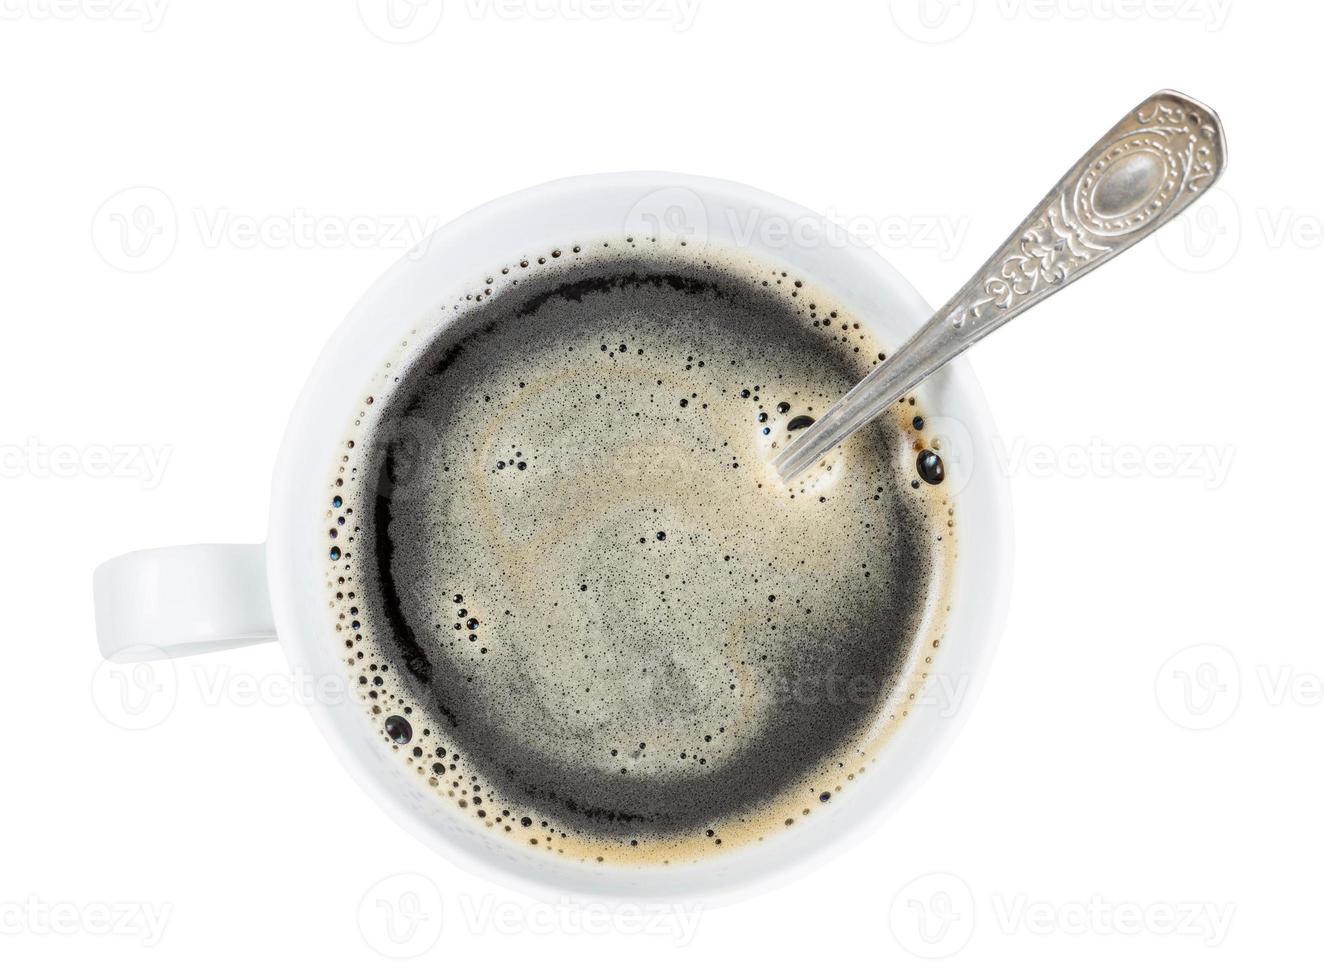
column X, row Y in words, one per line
column 1144, row 171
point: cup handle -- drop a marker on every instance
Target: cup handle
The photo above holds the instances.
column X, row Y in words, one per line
column 175, row 602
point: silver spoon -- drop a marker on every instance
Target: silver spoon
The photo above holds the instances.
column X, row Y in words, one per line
column 1144, row 171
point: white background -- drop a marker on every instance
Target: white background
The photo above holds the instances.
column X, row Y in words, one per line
column 1159, row 420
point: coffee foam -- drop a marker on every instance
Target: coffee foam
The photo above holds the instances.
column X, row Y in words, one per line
column 574, row 594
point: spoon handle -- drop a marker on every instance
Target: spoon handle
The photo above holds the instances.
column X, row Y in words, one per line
column 1159, row 158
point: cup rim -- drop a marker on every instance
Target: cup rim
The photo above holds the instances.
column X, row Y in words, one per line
column 408, row 294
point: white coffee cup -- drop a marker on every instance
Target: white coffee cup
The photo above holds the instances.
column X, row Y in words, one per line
column 173, row 602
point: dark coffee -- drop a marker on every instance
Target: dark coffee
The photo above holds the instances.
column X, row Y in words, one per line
column 572, row 591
